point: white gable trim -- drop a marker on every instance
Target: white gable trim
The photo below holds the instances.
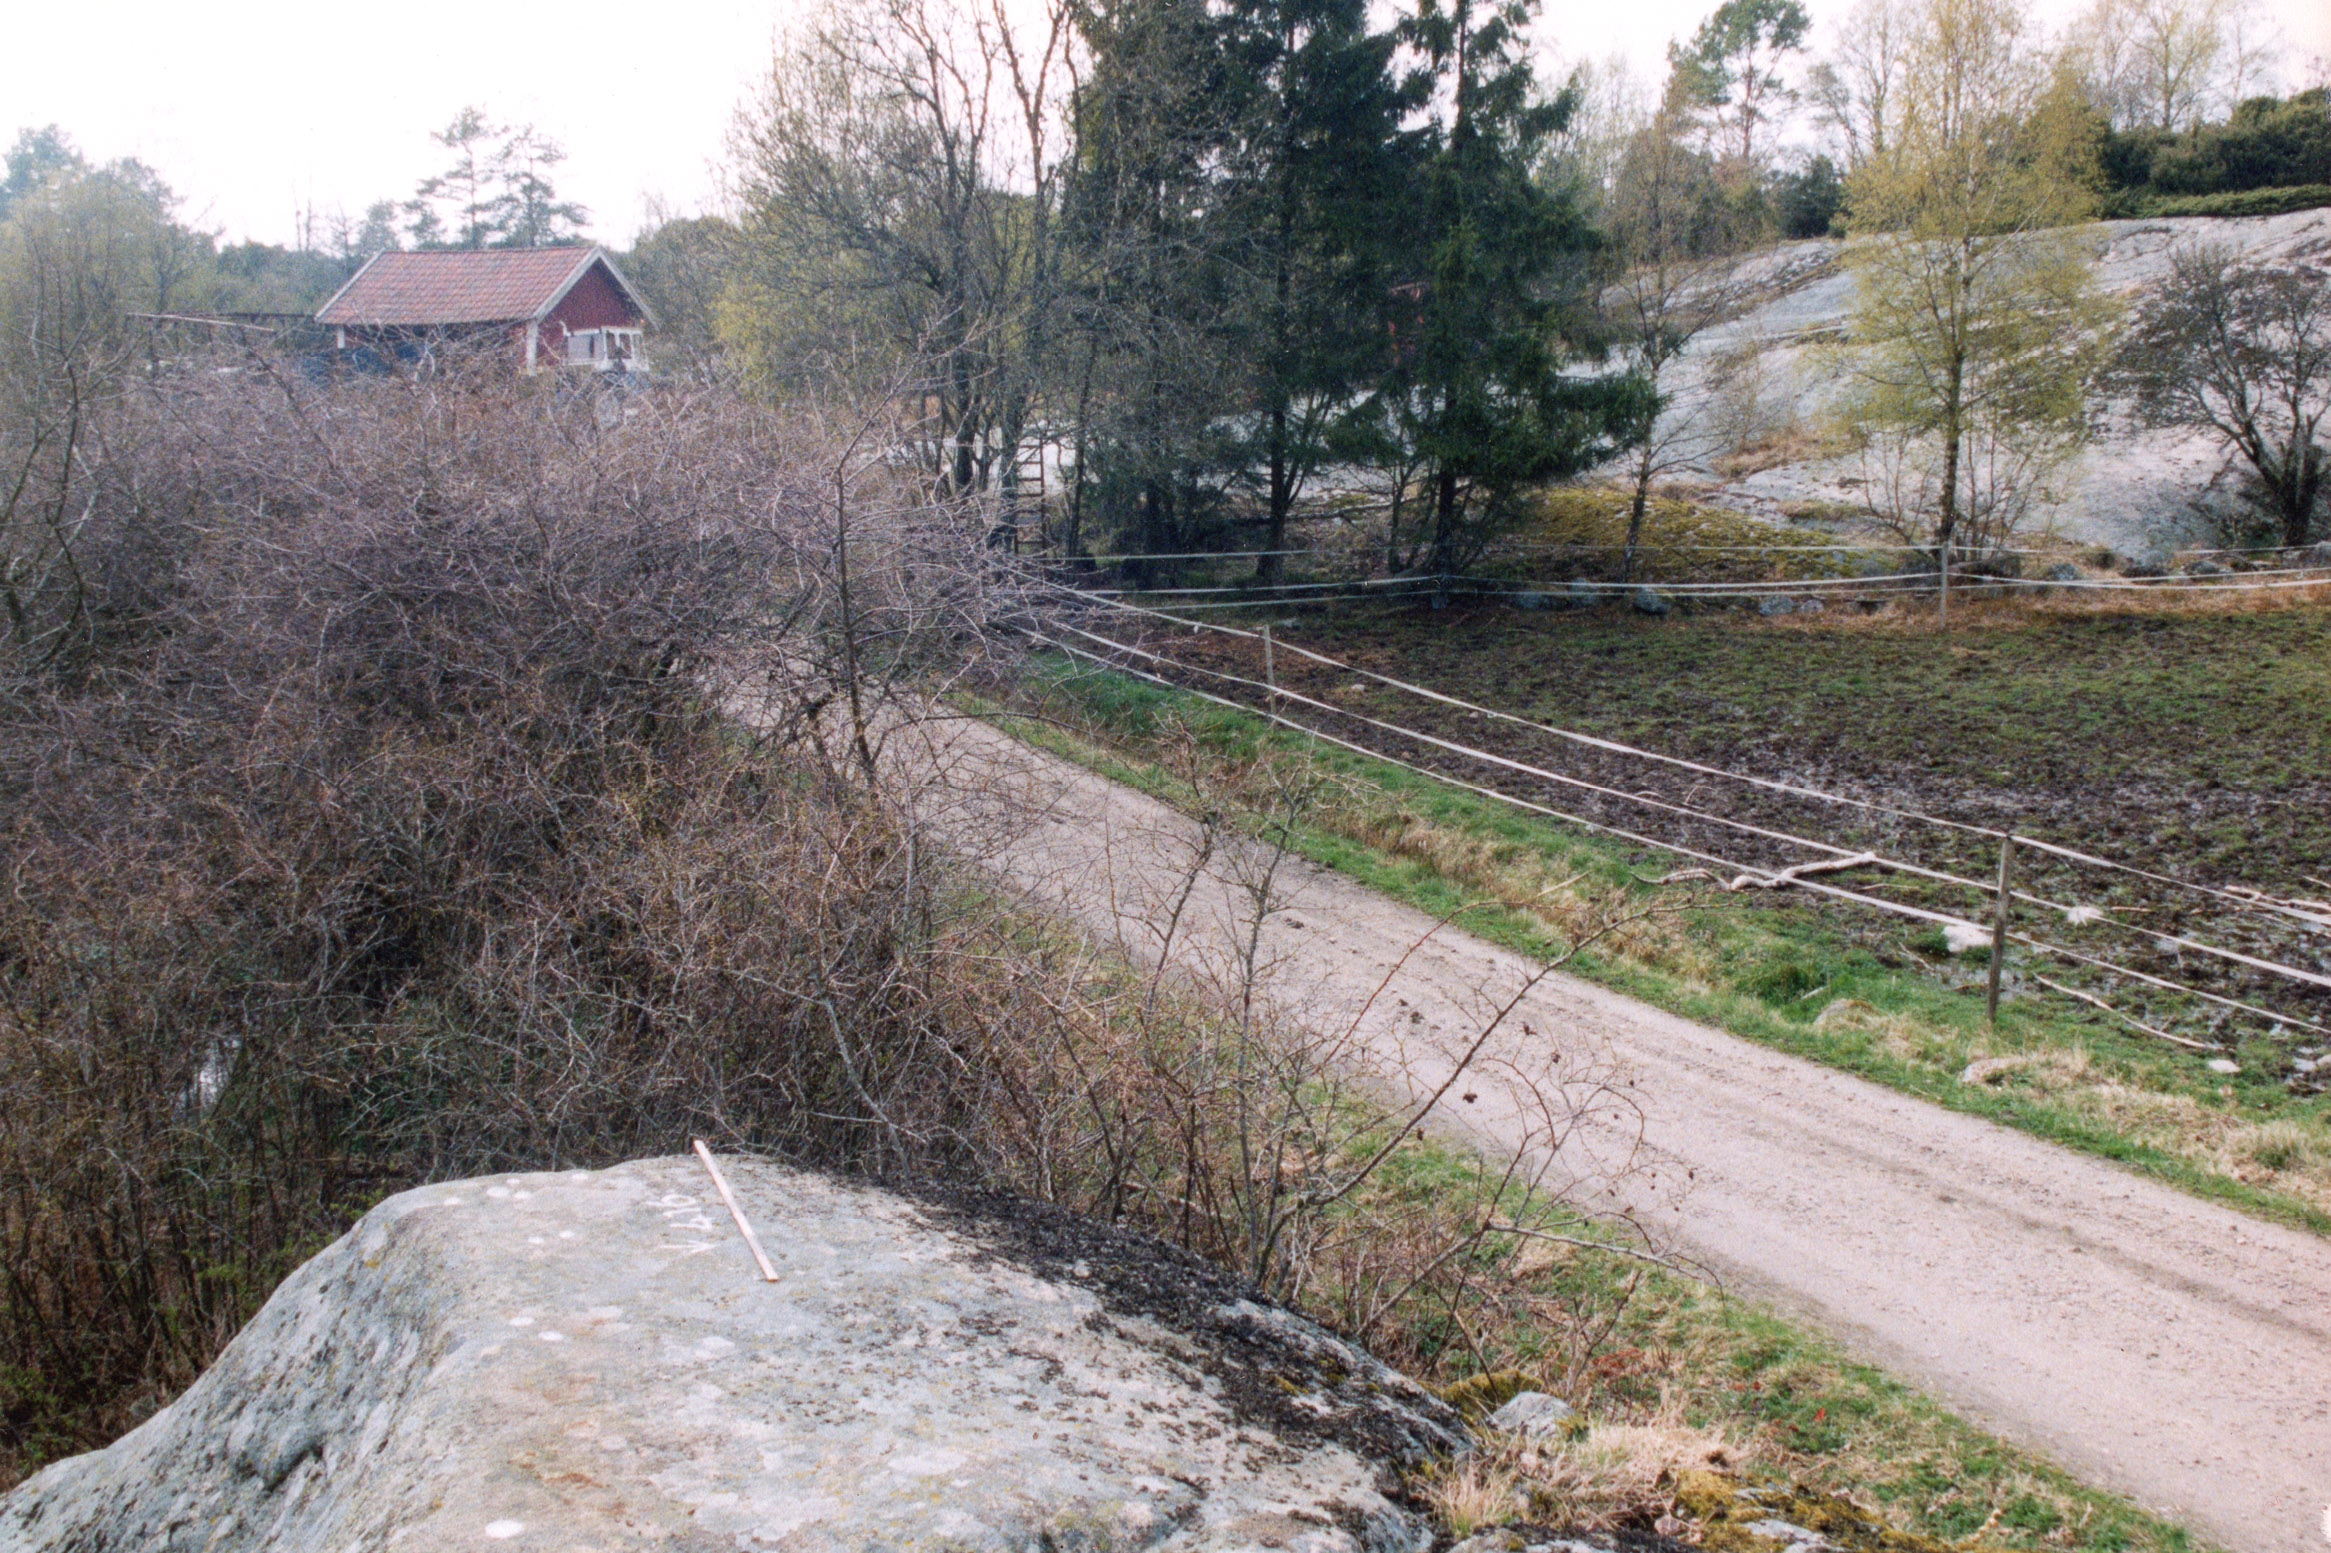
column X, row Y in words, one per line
column 352, row 280
column 597, row 255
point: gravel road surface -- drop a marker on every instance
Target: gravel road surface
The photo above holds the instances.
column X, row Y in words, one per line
column 2174, row 1350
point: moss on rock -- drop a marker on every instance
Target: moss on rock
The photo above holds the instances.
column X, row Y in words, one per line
column 1735, row 1517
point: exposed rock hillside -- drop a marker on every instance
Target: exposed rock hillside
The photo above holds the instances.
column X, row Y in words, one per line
column 590, row 1361
column 1768, row 384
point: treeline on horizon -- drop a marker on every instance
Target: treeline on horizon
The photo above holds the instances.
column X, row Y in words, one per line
column 122, row 225
column 2265, row 142
column 1216, row 248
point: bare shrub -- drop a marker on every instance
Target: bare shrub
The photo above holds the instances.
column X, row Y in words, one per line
column 390, row 830
column 1286, row 1137
column 461, row 774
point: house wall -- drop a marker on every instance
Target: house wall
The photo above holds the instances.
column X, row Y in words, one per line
column 595, row 302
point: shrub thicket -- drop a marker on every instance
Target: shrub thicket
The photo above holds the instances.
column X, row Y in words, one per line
column 369, row 821
column 430, row 776
column 2265, row 144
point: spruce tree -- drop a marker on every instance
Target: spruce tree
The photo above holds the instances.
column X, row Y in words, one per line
column 1313, row 162
column 1156, row 384
column 1478, row 397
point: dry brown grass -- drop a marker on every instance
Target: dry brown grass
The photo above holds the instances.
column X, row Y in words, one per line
column 1520, row 879
column 1796, row 443
column 1915, row 615
column 1601, row 1476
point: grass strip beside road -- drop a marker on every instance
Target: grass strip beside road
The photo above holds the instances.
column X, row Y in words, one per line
column 1784, row 975
column 1667, row 1373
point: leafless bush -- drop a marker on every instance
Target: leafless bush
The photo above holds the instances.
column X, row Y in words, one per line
column 454, row 773
column 391, row 829
column 1276, row 1127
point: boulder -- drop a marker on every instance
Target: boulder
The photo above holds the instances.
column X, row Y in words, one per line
column 1650, row 601
column 1528, row 599
column 1534, row 1414
column 2204, row 568
column 1776, row 604
column 591, row 1360
column 1584, row 594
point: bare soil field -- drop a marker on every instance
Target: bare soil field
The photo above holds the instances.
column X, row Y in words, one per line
column 2193, row 744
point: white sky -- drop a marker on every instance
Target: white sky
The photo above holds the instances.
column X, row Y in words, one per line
column 255, row 108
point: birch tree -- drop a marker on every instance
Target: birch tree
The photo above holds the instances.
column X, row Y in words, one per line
column 1976, row 324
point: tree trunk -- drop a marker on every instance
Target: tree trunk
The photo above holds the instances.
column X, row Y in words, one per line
column 966, row 426
column 1946, row 530
column 1444, row 534
column 1635, row 522
column 2300, row 487
column 1270, row 567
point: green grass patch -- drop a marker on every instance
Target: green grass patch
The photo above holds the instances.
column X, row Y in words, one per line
column 1894, row 1011
column 2240, row 202
column 1665, row 1369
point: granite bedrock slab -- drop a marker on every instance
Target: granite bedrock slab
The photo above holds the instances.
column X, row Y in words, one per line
column 590, row 1362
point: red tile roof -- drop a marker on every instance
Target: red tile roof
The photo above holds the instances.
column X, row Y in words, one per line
column 459, row 286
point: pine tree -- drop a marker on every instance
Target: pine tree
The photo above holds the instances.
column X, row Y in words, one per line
column 495, row 191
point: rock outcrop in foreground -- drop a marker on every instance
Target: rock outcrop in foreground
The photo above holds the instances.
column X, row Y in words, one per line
column 590, row 1361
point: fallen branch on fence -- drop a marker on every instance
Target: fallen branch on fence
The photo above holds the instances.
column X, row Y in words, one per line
column 1779, row 881
column 2305, row 910
column 2074, row 992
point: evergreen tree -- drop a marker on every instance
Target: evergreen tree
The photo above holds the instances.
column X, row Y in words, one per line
column 464, row 190
column 530, row 213
column 1155, row 387
column 1477, row 398
column 1313, row 166
column 495, row 191
column 1731, row 69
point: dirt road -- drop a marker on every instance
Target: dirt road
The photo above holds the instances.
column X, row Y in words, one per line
column 2173, row 1350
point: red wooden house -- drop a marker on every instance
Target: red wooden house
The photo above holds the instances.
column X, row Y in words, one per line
column 556, row 307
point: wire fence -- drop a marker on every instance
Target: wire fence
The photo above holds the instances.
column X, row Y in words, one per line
column 2231, row 949
column 2287, row 569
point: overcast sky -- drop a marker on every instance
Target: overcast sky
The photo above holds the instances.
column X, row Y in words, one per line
column 252, row 110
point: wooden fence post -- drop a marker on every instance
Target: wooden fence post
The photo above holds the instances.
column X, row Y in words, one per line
column 1999, row 927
